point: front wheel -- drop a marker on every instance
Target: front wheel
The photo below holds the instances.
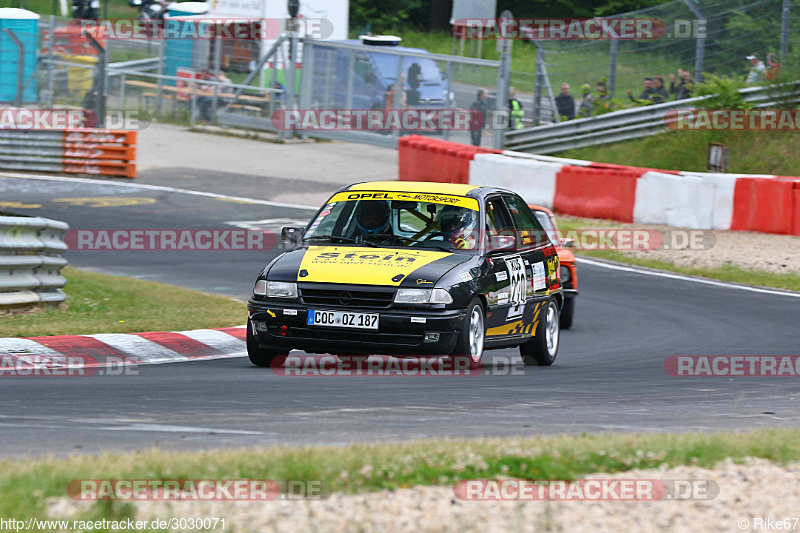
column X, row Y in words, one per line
column 260, row 356
column 542, row 349
column 469, row 345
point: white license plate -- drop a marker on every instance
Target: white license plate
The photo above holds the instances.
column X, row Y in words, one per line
column 342, row 319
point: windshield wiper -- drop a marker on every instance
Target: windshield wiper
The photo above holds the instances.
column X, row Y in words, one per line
column 437, row 245
column 344, row 239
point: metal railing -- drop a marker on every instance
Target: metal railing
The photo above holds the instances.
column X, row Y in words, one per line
column 30, row 261
column 627, row 124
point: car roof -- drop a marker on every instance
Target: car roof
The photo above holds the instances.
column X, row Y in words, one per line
column 377, row 49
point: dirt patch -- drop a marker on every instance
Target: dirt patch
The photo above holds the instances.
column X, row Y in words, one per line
column 749, row 250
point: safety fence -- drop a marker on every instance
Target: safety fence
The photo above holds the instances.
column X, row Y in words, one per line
column 630, row 124
column 74, row 151
column 769, row 204
column 30, row 261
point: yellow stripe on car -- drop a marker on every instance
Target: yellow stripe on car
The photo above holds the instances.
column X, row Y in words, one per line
column 436, row 198
column 363, row 266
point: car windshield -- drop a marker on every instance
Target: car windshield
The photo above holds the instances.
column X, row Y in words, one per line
column 547, row 223
column 387, row 65
column 394, row 219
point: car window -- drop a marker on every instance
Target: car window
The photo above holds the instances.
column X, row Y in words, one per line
column 497, row 220
column 547, row 223
column 529, row 232
column 397, row 219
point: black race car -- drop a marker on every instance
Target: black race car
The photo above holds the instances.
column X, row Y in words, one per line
column 407, row 268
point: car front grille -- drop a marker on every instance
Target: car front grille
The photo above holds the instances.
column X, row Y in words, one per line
column 348, row 297
column 350, row 335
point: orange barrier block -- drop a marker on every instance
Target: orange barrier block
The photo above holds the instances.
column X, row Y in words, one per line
column 102, row 168
column 423, row 158
column 99, row 151
column 100, row 136
column 796, row 209
column 596, row 193
column 764, row 204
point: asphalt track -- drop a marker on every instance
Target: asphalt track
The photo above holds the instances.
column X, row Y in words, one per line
column 609, row 375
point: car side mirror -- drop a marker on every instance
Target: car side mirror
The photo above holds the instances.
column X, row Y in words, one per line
column 568, row 243
column 292, row 234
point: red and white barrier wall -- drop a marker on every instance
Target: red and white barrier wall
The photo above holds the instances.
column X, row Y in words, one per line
column 769, row 204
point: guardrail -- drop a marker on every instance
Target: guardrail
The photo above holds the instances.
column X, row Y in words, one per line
column 30, row 261
column 78, row 151
column 626, row 124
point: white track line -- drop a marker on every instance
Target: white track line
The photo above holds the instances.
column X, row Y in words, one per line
column 154, row 188
column 686, row 278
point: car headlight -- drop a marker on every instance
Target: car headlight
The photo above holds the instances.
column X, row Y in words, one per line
column 261, row 288
column 281, row 289
column 423, row 296
column 565, row 274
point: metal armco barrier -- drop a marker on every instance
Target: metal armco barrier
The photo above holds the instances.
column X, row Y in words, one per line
column 78, row 151
column 626, row 124
column 30, row 261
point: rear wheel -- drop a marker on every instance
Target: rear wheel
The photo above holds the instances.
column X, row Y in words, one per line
column 567, row 312
column 542, row 349
column 469, row 346
column 260, row 356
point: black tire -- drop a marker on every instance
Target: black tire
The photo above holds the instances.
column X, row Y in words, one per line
column 542, row 349
column 471, row 339
column 567, row 313
column 260, row 356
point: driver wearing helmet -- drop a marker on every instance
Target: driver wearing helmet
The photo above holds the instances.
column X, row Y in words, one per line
column 457, row 223
column 373, row 218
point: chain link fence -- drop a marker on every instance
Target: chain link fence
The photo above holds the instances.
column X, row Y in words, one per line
column 702, row 37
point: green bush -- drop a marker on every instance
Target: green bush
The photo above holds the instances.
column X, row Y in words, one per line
column 723, row 92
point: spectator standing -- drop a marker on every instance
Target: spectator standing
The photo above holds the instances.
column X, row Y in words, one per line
column 661, row 95
column 587, row 104
column 757, row 71
column 515, row 110
column 204, row 94
column 683, row 89
column 773, row 67
column 565, row 103
column 647, row 95
column 478, row 116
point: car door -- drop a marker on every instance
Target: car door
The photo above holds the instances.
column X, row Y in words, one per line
column 539, row 260
column 504, row 270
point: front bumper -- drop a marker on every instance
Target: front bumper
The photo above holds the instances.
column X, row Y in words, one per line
column 285, row 326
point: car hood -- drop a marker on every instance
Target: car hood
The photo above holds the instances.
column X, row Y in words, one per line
column 360, row 265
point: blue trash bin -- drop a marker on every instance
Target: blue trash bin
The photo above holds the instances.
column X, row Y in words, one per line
column 25, row 25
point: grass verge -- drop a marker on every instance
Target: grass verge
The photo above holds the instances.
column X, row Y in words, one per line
column 100, row 303
column 750, row 152
column 730, row 273
column 361, row 468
